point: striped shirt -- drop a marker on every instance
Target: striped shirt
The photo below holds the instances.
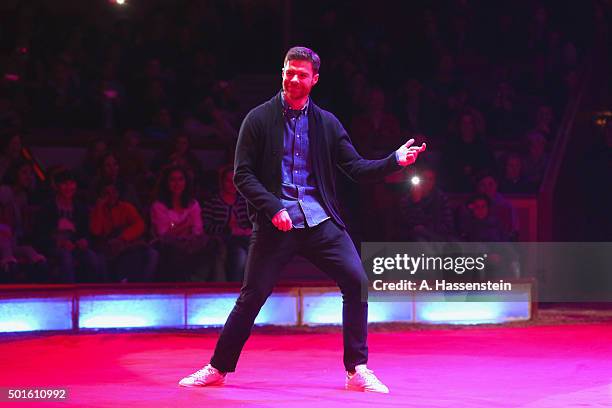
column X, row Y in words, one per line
column 217, row 215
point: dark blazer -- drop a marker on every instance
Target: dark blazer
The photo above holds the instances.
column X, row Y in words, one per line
column 46, row 224
column 259, row 152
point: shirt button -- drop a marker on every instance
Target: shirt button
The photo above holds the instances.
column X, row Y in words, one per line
column 297, row 136
column 297, row 154
column 296, row 171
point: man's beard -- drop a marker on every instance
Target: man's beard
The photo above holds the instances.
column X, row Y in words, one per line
column 296, row 92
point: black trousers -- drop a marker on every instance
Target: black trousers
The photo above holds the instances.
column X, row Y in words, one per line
column 330, row 249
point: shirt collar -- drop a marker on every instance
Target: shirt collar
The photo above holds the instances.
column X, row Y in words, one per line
column 287, row 108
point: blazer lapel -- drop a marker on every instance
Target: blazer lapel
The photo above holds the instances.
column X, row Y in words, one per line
column 278, row 135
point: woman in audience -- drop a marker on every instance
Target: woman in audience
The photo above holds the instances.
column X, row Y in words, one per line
column 176, row 220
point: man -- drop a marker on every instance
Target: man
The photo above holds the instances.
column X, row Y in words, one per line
column 62, row 232
column 284, row 167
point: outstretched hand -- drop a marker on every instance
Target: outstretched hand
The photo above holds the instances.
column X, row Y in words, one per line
column 407, row 154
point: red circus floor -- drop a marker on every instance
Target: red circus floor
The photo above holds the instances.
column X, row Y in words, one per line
column 563, row 365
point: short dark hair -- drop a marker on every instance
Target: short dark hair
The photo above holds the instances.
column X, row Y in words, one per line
column 304, row 54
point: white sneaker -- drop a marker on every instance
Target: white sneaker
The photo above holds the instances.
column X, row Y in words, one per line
column 363, row 379
column 207, row 376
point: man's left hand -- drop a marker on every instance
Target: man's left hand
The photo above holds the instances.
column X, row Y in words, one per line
column 407, row 154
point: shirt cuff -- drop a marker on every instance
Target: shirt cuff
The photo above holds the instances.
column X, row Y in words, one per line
column 282, row 209
column 397, row 157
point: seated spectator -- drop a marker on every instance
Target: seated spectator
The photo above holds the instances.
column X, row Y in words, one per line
column 179, row 154
column 594, row 168
column 504, row 115
column 425, row 212
column 513, row 181
column 133, row 168
column 210, row 123
column 536, row 160
column 16, row 220
column 20, row 263
column 109, row 173
column 132, row 163
column 156, row 101
column 10, row 152
column 96, row 151
column 62, row 230
column 227, row 101
column 476, row 223
column 374, row 133
column 176, row 219
column 409, row 105
column 109, row 98
column 499, row 206
column 118, row 232
column 18, row 197
column 160, row 126
column 60, row 102
column 225, row 216
column 377, row 131
column 544, row 122
column 465, row 155
column 8, row 261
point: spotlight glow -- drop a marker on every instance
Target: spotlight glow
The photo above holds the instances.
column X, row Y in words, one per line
column 415, row 180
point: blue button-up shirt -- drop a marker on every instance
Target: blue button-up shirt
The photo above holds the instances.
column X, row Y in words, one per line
column 299, row 194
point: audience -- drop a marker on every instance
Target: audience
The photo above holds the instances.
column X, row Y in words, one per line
column 466, row 82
